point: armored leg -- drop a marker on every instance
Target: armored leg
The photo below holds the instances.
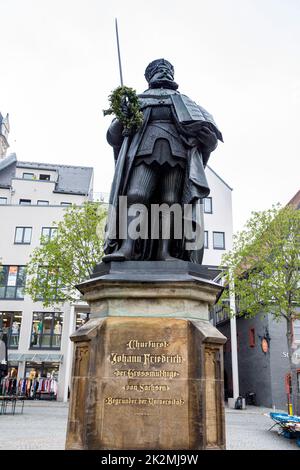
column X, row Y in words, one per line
column 171, row 189
column 140, row 190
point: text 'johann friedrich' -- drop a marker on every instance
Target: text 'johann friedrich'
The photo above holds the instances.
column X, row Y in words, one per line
column 145, row 359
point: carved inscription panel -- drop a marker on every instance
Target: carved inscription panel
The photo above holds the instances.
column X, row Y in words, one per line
column 145, row 383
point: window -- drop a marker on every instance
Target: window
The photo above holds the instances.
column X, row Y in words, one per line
column 288, row 384
column 45, row 177
column 46, row 330
column 42, row 203
column 220, row 311
column 205, row 239
column 81, row 319
column 252, row 337
column 23, row 235
column 296, row 331
column 208, row 205
column 65, row 203
column 3, row 200
column 48, row 233
column 28, row 176
column 12, row 282
column 219, row 240
column 10, row 324
column 25, row 202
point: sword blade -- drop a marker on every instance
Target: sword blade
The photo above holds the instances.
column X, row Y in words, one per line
column 119, row 54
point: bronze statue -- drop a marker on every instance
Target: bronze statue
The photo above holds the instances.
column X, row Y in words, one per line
column 162, row 162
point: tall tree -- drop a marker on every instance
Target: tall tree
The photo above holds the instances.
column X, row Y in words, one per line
column 68, row 257
column 264, row 267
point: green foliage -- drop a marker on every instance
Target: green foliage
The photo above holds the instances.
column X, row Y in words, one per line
column 125, row 95
column 57, row 265
column 264, row 264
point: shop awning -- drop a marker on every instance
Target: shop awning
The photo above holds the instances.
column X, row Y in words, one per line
column 50, row 357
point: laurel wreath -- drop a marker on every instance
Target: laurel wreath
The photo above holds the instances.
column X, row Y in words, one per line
column 117, row 98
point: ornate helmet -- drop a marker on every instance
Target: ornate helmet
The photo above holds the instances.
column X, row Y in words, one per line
column 154, row 66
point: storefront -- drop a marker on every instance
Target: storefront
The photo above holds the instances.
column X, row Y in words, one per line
column 36, row 376
column 41, row 360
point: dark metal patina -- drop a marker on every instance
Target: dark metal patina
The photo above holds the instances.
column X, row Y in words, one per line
column 162, row 162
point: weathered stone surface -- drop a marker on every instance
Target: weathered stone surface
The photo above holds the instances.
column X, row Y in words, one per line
column 147, row 371
column 154, row 288
column 146, row 383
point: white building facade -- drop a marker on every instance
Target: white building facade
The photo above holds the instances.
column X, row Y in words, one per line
column 32, row 197
column 218, row 224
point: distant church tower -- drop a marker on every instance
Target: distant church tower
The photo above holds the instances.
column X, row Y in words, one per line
column 4, row 130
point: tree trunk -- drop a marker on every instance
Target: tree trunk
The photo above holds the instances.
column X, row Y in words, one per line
column 295, row 399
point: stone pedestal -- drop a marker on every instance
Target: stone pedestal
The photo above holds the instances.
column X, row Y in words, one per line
column 148, row 365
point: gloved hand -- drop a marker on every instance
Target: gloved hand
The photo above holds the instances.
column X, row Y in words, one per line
column 207, row 138
column 125, row 106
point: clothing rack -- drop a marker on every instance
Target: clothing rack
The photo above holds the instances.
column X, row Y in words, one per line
column 40, row 388
column 8, row 386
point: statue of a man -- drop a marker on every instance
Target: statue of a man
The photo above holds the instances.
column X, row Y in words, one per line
column 163, row 163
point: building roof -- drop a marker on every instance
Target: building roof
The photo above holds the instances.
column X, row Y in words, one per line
column 224, row 182
column 295, row 201
column 7, row 170
column 71, row 179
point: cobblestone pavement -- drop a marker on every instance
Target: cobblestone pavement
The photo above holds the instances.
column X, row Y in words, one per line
column 248, row 430
column 43, row 426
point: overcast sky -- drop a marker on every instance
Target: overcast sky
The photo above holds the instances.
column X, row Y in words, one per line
column 240, row 59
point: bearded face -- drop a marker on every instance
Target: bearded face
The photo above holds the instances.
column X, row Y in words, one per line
column 163, row 78
column 160, row 74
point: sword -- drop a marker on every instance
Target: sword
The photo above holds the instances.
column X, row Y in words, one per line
column 125, row 99
column 119, row 53
column 119, row 170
